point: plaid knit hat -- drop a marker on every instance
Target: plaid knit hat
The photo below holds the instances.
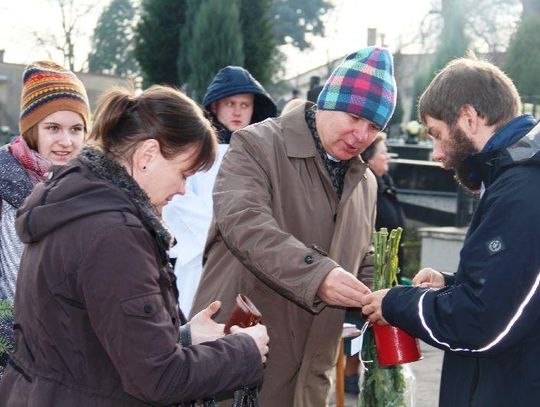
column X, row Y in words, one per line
column 48, row 88
column 363, row 84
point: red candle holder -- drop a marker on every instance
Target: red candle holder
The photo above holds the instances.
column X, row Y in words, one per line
column 395, row 346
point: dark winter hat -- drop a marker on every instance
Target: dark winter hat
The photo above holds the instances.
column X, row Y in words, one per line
column 234, row 80
column 363, row 84
column 48, row 88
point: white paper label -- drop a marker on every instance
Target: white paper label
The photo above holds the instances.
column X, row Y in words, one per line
column 356, row 345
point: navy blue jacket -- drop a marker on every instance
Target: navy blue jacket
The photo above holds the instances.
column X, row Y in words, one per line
column 487, row 318
column 234, row 80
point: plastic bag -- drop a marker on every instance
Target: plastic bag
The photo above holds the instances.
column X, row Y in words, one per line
column 410, row 385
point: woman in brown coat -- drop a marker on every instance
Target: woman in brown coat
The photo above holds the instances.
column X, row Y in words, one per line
column 96, row 315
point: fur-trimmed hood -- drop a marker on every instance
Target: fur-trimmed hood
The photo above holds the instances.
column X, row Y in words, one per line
column 90, row 184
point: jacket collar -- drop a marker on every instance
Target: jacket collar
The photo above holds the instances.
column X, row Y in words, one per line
column 489, row 163
column 297, row 136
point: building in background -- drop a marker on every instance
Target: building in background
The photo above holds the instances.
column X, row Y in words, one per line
column 10, row 93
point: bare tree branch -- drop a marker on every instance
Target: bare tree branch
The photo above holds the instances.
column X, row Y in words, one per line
column 71, row 14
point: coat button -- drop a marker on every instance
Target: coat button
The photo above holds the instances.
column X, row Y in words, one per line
column 148, row 308
column 308, row 259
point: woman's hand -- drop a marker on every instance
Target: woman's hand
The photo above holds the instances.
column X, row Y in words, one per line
column 259, row 335
column 203, row 327
column 428, row 277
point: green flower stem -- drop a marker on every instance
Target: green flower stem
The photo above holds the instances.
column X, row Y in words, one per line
column 383, row 386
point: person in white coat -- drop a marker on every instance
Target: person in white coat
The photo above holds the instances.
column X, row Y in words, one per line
column 233, row 100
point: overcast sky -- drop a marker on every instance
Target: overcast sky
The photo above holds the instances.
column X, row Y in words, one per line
column 346, row 29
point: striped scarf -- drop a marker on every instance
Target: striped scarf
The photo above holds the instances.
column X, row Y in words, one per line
column 35, row 164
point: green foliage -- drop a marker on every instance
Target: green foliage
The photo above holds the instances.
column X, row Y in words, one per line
column 112, row 43
column 260, row 54
column 6, row 309
column 5, row 347
column 523, row 59
column 157, row 37
column 169, row 34
column 6, row 333
column 421, row 82
column 258, row 37
column 186, row 33
column 411, row 252
column 209, row 50
column 383, row 386
column 296, row 20
column 453, row 43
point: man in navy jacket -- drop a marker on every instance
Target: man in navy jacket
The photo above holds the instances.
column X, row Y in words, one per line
column 486, row 317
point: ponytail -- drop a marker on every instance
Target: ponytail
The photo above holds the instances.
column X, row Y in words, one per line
column 113, row 107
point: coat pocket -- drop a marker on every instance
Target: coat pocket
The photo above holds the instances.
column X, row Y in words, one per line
column 145, row 306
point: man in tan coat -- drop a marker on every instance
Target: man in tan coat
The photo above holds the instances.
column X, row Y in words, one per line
column 294, row 211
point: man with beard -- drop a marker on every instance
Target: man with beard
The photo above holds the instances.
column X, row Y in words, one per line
column 486, row 317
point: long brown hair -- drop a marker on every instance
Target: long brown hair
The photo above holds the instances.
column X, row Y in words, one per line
column 123, row 120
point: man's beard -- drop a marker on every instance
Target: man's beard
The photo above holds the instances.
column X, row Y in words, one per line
column 460, row 147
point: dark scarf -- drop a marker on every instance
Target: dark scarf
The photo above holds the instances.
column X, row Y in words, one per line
column 223, row 133
column 336, row 169
column 111, row 171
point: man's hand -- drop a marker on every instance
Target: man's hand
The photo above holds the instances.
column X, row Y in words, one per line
column 428, row 277
column 342, row 288
column 372, row 308
column 204, row 328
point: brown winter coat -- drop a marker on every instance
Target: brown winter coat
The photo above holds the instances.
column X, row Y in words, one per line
column 276, row 216
column 95, row 311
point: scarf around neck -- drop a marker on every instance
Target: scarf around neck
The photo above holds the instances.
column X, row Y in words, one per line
column 34, row 163
column 336, row 169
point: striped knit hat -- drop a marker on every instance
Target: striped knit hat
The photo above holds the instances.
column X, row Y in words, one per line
column 48, row 88
column 363, row 84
